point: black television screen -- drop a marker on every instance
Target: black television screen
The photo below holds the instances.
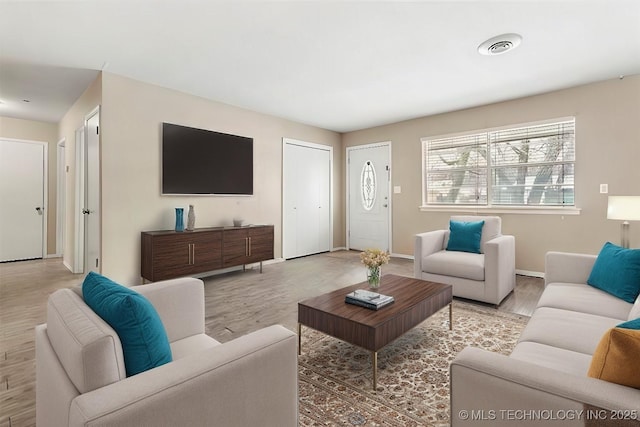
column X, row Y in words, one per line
column 198, row 161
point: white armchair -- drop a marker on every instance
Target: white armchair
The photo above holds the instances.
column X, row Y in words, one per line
column 488, row 276
column 81, row 379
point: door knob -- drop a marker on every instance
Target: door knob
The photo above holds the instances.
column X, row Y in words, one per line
column 39, row 210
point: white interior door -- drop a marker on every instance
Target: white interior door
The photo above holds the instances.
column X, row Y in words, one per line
column 306, row 198
column 79, row 206
column 61, row 191
column 92, row 194
column 22, row 202
column 369, row 177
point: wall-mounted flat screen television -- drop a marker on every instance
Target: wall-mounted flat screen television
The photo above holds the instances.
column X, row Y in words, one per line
column 198, row 161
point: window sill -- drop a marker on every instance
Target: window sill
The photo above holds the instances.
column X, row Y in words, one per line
column 525, row 210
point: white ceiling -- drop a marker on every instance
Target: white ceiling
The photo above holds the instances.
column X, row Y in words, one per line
column 334, row 64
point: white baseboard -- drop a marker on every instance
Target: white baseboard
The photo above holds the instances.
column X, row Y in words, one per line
column 67, row 266
column 402, row 256
column 530, row 273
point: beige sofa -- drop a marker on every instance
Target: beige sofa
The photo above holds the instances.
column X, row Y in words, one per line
column 81, row 381
column 546, row 374
column 488, row 276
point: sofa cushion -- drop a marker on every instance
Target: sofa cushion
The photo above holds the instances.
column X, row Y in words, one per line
column 616, row 357
column 144, row 341
column 86, row 346
column 585, row 299
column 465, row 265
column 491, row 229
column 465, row 236
column 635, row 310
column 570, row 330
column 617, row 271
column 571, row 362
column 191, row 345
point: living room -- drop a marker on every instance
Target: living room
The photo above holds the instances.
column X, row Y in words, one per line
column 606, row 113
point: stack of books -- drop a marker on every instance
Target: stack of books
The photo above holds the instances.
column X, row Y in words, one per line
column 368, row 299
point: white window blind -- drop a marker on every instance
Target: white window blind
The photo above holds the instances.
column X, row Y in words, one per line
column 521, row 166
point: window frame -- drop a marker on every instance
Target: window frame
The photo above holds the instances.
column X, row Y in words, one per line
column 489, row 168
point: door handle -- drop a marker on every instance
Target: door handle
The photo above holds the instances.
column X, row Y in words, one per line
column 86, row 211
column 39, row 210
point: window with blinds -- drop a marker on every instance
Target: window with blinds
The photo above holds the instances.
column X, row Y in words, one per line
column 522, row 166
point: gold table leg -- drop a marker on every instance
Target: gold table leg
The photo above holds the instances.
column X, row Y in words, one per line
column 374, row 362
column 451, row 316
column 299, row 339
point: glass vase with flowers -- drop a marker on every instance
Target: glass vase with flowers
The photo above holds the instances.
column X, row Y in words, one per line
column 373, row 259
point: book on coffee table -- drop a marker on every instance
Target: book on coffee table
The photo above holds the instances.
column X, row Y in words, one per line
column 368, row 299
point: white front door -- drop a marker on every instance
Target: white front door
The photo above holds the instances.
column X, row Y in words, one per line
column 22, row 203
column 369, row 207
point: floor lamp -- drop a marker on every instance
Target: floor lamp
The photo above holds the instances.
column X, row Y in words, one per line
column 625, row 208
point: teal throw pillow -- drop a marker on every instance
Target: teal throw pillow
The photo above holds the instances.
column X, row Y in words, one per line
column 465, row 236
column 617, row 271
column 631, row 324
column 144, row 340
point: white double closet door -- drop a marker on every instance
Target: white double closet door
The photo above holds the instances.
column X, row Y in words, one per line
column 306, row 198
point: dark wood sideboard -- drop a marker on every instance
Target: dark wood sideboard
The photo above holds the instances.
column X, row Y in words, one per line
column 167, row 254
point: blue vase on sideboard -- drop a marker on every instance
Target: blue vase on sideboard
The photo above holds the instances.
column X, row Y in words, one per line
column 179, row 219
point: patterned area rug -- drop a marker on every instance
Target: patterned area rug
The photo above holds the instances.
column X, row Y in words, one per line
column 335, row 379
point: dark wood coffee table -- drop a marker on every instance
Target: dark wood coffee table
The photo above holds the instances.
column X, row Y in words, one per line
column 415, row 301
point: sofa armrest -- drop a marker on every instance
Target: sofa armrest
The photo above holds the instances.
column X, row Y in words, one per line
column 426, row 244
column 483, row 381
column 567, row 267
column 500, row 267
column 252, row 380
column 180, row 304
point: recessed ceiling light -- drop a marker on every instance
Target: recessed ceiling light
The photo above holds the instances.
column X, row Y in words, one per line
column 500, row 44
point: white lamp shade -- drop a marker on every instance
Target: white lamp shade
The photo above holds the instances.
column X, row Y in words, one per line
column 626, row 208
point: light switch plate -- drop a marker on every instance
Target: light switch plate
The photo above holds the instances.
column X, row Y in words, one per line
column 604, row 188
column 397, row 189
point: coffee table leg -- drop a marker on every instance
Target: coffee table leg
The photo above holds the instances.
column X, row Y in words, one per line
column 374, row 362
column 451, row 316
column 299, row 339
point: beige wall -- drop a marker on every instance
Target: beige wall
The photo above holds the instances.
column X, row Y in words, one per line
column 607, row 151
column 131, row 117
column 72, row 120
column 608, row 146
column 43, row 132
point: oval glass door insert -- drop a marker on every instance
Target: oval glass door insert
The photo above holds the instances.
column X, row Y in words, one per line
column 368, row 185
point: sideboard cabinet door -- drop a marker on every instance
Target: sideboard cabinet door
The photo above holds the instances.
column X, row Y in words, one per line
column 166, row 255
column 246, row 245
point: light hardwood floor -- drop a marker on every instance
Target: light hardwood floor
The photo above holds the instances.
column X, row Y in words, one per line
column 236, row 303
